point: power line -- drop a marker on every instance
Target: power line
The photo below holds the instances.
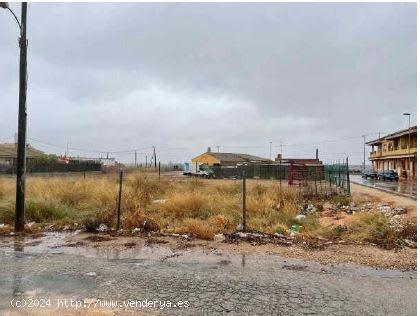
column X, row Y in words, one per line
column 166, row 149
column 89, row 150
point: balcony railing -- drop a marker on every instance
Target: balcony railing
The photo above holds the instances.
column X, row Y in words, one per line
column 397, row 152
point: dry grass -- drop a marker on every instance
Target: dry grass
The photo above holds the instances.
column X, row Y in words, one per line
column 201, row 208
column 374, row 227
column 194, row 206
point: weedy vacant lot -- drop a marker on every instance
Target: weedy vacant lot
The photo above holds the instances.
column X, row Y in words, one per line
column 201, row 208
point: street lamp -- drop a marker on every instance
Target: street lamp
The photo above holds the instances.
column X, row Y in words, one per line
column 21, row 148
column 409, row 142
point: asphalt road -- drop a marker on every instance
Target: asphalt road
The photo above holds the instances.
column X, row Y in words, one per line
column 215, row 284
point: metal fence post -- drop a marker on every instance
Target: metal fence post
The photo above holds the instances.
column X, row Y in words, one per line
column 119, row 201
column 280, row 176
column 348, row 176
column 243, row 200
column 329, row 178
column 339, row 175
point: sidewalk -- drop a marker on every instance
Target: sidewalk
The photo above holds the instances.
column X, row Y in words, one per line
column 401, row 188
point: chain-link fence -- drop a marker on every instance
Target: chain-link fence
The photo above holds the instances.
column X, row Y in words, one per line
column 35, row 166
column 312, row 179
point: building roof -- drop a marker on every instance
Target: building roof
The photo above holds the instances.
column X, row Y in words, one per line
column 8, row 150
column 234, row 157
column 413, row 130
column 303, row 161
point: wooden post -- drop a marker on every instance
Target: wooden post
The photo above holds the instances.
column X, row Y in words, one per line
column 21, row 143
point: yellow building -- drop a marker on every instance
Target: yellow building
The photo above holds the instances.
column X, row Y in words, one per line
column 227, row 159
column 396, row 151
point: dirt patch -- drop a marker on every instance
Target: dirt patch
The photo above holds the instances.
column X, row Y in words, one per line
column 33, row 243
column 328, row 218
column 294, row 267
column 75, row 244
column 151, row 240
column 402, row 259
column 334, row 253
column 98, row 238
column 174, row 255
column 130, row 244
column 185, row 244
column 361, row 193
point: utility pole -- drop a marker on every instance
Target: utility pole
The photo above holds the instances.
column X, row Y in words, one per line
column 364, row 152
column 135, row 159
column 21, row 143
column 146, row 160
column 271, row 143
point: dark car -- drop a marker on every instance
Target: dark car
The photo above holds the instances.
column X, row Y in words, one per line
column 370, row 175
column 388, row 175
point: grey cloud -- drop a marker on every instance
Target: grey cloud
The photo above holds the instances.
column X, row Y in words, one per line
column 129, row 75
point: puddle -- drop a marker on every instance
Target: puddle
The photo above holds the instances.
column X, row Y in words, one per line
column 65, row 265
column 141, row 253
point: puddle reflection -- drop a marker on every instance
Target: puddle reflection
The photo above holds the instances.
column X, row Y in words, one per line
column 19, row 247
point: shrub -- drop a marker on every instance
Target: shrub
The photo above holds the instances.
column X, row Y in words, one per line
column 374, row 227
column 197, row 228
column 221, row 222
column 91, row 223
column 181, row 205
column 330, row 232
column 340, row 199
column 46, row 211
column 7, row 212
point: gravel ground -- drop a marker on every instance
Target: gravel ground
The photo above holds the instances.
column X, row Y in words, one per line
column 400, row 259
column 360, row 192
column 213, row 283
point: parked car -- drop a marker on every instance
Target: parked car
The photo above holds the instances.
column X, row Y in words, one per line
column 193, row 170
column 370, row 175
column 388, row 175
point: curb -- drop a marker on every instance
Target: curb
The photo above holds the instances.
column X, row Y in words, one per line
column 385, row 190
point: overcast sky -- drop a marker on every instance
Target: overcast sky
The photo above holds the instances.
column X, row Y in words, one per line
column 182, row 77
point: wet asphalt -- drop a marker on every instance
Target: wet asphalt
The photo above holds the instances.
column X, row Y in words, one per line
column 212, row 284
column 405, row 187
